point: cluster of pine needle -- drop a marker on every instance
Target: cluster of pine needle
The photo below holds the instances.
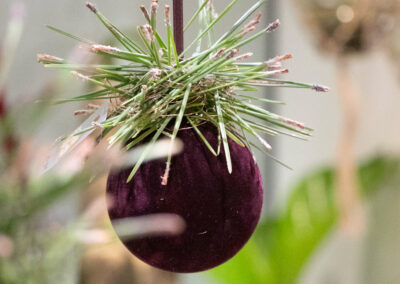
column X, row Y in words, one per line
column 158, row 91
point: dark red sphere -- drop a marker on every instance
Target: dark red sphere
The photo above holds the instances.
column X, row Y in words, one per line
column 221, row 210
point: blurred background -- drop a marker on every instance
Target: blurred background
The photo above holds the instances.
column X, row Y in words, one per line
column 334, row 218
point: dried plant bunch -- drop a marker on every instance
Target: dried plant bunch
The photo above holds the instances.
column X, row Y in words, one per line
column 351, row 26
column 214, row 184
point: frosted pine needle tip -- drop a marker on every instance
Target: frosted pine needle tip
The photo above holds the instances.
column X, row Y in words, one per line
column 320, row 88
column 92, row 7
column 274, row 25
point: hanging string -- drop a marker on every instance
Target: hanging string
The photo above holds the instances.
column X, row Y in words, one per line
column 348, row 194
column 178, row 25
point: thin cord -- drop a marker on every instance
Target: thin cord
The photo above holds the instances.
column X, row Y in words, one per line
column 178, row 25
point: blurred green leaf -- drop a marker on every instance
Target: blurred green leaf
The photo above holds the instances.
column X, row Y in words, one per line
column 283, row 244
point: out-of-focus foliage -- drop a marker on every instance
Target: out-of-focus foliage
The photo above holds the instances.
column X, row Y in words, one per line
column 31, row 250
column 351, row 26
column 283, row 244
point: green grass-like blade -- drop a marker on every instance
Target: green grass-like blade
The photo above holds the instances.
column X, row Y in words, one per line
column 121, row 37
column 160, row 41
column 90, row 96
column 69, row 35
column 94, row 67
column 195, row 15
column 263, row 100
column 177, row 126
column 241, row 21
column 202, row 137
column 172, row 46
column 140, row 138
column 205, row 31
column 272, row 157
column 223, row 132
column 250, row 39
column 110, row 88
column 148, row 148
column 250, row 129
column 268, row 119
column 130, row 56
column 234, row 138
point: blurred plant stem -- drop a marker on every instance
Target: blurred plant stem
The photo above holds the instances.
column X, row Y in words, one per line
column 348, row 196
column 11, row 41
column 7, row 54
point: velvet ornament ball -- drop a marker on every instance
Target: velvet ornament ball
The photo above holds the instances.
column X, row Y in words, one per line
column 221, row 210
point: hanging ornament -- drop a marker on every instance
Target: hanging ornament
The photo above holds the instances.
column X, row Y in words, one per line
column 161, row 91
column 221, row 210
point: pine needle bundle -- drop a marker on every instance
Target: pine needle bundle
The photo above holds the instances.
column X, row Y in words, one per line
column 158, row 90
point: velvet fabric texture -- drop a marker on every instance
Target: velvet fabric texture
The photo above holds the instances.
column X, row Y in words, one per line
column 221, row 210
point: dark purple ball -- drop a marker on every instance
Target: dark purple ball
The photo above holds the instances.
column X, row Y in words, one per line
column 221, row 210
